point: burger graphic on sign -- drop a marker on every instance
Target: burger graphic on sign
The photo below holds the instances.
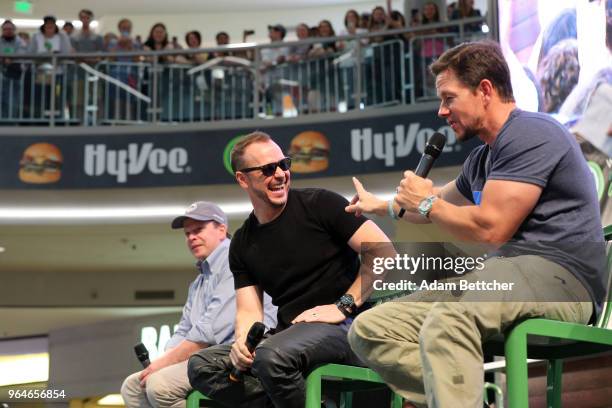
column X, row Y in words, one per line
column 309, row 152
column 41, row 163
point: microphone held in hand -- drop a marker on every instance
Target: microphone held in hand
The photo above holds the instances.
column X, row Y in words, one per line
column 142, row 354
column 254, row 336
column 434, row 147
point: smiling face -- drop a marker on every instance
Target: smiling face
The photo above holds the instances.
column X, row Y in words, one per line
column 192, row 41
column 351, row 19
column 158, row 34
column 378, row 15
column 462, row 107
column 325, row 29
column 203, row 237
column 266, row 192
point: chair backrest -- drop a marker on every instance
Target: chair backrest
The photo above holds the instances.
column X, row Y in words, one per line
column 604, row 319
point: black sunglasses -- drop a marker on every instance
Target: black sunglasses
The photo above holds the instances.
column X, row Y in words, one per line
column 270, row 168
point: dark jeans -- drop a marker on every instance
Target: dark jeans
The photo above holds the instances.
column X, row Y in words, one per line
column 282, row 361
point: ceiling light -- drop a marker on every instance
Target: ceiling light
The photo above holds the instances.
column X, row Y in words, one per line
column 24, row 369
column 19, row 215
column 111, row 399
column 36, row 22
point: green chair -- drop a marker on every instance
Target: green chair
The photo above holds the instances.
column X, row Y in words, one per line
column 498, row 392
column 345, row 379
column 196, row 397
column 551, row 341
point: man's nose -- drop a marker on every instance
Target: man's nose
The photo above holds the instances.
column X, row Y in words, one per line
column 443, row 111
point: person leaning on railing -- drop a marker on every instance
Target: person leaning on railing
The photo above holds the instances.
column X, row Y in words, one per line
column 193, row 39
column 322, row 73
column 299, row 52
column 158, row 41
column 379, row 21
column 47, row 41
column 465, row 9
column 324, row 47
column 351, row 27
column 11, row 71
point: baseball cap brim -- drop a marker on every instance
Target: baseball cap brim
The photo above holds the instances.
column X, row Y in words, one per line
column 178, row 222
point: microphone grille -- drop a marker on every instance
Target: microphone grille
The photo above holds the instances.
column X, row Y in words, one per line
column 435, row 144
column 257, row 330
column 141, row 349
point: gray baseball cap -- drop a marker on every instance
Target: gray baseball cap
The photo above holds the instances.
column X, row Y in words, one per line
column 201, row 211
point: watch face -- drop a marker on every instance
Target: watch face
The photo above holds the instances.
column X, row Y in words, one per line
column 347, row 300
column 424, row 206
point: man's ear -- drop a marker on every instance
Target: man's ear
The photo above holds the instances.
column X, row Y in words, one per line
column 241, row 178
column 485, row 88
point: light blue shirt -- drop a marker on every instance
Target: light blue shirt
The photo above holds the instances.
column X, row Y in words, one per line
column 210, row 311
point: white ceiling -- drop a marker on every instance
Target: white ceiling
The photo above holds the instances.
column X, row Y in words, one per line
column 63, row 8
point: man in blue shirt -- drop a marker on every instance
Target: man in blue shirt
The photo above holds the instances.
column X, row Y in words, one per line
column 208, row 315
column 526, row 191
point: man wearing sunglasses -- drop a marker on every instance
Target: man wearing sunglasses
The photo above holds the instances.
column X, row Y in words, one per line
column 301, row 247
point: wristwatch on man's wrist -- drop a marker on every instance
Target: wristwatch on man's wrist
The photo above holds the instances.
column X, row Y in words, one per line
column 425, row 205
column 346, row 304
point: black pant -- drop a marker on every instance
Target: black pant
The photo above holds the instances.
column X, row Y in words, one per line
column 282, row 361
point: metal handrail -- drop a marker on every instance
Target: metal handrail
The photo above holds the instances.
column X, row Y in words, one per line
column 115, row 82
column 148, row 89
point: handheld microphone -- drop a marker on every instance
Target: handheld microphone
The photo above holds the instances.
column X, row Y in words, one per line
column 254, row 336
column 433, row 148
column 142, row 354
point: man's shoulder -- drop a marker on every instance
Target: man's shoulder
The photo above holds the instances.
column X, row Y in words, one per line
column 242, row 230
column 313, row 193
column 538, row 124
column 530, row 130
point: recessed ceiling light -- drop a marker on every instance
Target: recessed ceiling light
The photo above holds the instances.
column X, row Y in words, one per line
column 2, row 249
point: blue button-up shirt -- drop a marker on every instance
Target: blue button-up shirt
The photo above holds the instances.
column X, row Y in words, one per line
column 210, row 311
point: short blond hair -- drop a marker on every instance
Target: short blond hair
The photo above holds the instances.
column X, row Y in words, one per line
column 237, row 154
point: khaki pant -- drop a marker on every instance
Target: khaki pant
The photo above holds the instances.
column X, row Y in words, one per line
column 430, row 352
column 167, row 387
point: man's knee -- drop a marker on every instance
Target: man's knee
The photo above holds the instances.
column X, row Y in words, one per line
column 131, row 387
column 155, row 389
column 364, row 331
column 446, row 320
column 356, row 337
column 208, row 367
column 271, row 362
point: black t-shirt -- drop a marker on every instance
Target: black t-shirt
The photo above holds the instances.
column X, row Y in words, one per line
column 302, row 258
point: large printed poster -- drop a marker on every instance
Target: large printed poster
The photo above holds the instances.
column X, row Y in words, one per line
column 560, row 58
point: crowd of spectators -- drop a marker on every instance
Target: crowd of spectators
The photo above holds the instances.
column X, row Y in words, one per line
column 50, row 38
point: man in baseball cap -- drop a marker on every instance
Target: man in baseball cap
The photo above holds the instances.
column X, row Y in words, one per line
column 201, row 211
column 279, row 28
column 208, row 315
